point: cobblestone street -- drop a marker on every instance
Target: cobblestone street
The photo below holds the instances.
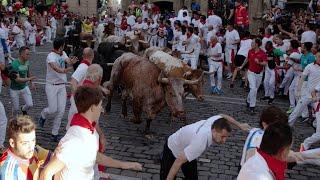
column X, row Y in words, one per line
column 126, row 141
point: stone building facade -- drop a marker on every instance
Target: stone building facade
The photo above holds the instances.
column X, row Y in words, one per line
column 83, row 7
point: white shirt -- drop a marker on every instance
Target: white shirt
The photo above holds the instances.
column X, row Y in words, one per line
column 80, row 72
column 131, row 20
column 231, row 37
column 284, row 48
column 192, row 139
column 195, row 22
column 245, row 46
column 256, row 168
column 18, row 31
column 312, row 71
column 53, row 23
column 253, row 141
column 141, row 26
column 79, row 149
column 145, row 14
column 214, row 21
column 213, row 51
column 192, row 42
column 309, row 36
column 53, row 76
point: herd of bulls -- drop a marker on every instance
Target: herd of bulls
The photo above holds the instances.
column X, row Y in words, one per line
column 150, row 77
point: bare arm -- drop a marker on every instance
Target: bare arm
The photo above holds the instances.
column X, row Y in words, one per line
column 176, row 166
column 60, row 70
column 54, row 166
column 74, row 84
column 242, row 126
column 110, row 162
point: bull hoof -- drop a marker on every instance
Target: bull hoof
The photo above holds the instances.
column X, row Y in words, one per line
column 136, row 121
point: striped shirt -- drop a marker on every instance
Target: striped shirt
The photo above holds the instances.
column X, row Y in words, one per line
column 13, row 167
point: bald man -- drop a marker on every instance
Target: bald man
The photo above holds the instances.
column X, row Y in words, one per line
column 77, row 78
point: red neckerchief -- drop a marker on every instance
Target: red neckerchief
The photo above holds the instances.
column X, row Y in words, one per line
column 85, row 61
column 267, row 35
column 188, row 36
column 79, row 120
column 277, row 167
column 295, row 50
column 87, row 82
column 213, row 45
column 57, row 52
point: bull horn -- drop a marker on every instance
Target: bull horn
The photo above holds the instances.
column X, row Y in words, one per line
column 116, row 46
column 208, row 73
column 188, row 73
column 143, row 42
column 193, row 82
column 163, row 80
column 127, row 45
column 110, row 64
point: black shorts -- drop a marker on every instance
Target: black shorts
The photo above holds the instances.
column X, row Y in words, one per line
column 239, row 59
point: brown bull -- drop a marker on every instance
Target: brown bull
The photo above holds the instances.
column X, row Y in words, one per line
column 144, row 83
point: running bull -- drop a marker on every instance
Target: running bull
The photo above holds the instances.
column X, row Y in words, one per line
column 148, row 88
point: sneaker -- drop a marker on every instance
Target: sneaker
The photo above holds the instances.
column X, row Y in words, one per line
column 270, row 101
column 213, row 90
column 229, row 76
column 265, row 98
column 252, row 110
column 290, row 110
column 23, row 112
column 219, row 91
column 248, row 104
column 41, row 121
column 302, row 148
column 55, row 138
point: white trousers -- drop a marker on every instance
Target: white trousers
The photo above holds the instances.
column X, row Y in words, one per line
column 269, row 82
column 27, row 97
column 57, row 98
column 287, row 79
column 48, row 33
column 161, row 42
column 229, row 55
column 53, row 33
column 302, row 105
column 293, row 90
column 190, row 58
column 72, row 111
column 254, row 83
column 215, row 66
column 315, row 136
column 19, row 42
column 153, row 40
column 3, row 120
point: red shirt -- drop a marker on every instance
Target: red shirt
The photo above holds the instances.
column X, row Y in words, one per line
column 260, row 55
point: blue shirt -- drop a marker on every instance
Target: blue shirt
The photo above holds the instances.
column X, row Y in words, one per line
column 307, row 59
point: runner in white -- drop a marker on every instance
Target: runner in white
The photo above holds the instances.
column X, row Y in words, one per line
column 215, row 61
column 56, row 85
